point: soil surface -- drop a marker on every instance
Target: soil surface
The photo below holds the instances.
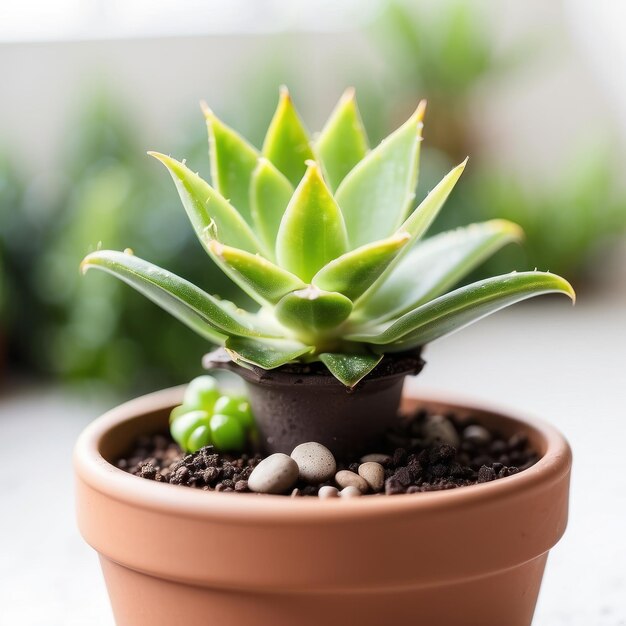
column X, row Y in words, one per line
column 411, row 464
column 390, row 365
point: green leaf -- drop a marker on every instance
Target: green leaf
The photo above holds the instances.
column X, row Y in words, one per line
column 258, row 277
column 423, row 216
column 377, row 194
column 208, row 316
column 265, row 353
column 207, row 209
column 435, row 265
column 312, row 310
column 343, row 141
column 270, row 193
column 354, row 272
column 312, row 231
column 287, row 143
column 350, row 369
column 461, row 307
column 416, row 225
column 233, row 160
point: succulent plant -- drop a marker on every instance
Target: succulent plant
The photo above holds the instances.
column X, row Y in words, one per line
column 324, row 235
column 208, row 416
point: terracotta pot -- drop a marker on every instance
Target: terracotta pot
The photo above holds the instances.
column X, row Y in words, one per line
column 307, row 403
column 472, row 556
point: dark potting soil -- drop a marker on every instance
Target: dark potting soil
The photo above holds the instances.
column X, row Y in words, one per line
column 390, row 365
column 411, row 465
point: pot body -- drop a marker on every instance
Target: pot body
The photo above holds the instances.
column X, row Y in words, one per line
column 297, row 405
column 291, row 409
column 472, row 556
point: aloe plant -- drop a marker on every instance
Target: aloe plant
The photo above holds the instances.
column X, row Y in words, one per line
column 324, row 235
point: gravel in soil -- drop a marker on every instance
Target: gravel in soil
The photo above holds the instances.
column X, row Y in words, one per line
column 413, row 460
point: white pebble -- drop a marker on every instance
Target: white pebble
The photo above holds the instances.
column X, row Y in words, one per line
column 439, row 428
column 315, row 461
column 477, row 434
column 375, row 458
column 346, row 478
column 275, row 474
column 374, row 475
column 328, row 491
column 350, row 492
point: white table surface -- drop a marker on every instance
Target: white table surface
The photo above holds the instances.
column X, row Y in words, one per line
column 564, row 364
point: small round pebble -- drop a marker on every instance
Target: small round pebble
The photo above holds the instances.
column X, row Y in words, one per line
column 437, row 427
column 377, row 457
column 374, row 475
column 477, row 434
column 275, row 474
column 346, row 478
column 328, row 491
column 315, row 461
column 350, row 492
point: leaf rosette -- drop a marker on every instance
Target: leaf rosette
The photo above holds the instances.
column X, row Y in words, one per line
column 327, row 237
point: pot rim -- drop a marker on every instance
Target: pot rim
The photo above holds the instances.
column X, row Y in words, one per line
column 251, row 508
column 219, row 359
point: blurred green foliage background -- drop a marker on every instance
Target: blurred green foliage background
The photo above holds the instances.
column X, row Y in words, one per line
column 54, row 324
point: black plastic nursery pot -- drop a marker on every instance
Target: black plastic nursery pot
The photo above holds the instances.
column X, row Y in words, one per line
column 301, row 403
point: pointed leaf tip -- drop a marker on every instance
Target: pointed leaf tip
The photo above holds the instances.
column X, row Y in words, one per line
column 84, row 266
column 286, row 142
column 348, row 94
column 233, row 159
column 418, row 222
column 342, row 143
column 312, row 230
column 381, row 186
column 171, row 163
column 421, row 110
column 311, row 164
column 212, row 318
column 206, row 110
column 433, row 266
column 266, row 354
column 259, row 278
column 515, row 231
column 207, row 208
column 461, row 307
column 270, row 193
column 350, row 369
column 354, row 272
column 417, row 119
column 567, row 288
